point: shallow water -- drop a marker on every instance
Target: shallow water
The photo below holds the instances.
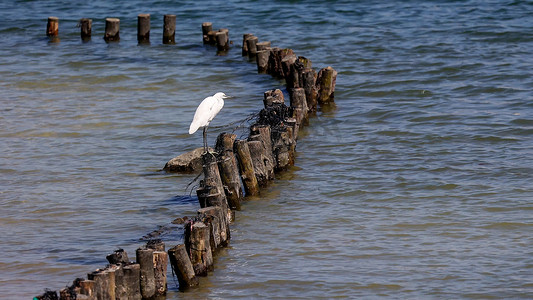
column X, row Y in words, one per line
column 416, row 185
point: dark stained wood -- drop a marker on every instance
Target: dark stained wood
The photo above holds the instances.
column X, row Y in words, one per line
column 112, row 30
column 169, row 29
column 244, row 158
column 325, row 84
column 182, row 266
column 86, row 29
column 145, row 259
column 52, row 27
column 143, row 28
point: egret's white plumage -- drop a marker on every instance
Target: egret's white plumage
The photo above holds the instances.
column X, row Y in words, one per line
column 205, row 113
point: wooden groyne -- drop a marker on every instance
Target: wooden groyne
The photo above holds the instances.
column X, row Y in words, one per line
column 235, row 169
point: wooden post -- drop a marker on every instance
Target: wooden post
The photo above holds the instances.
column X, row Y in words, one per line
column 160, row 266
column 206, row 28
column 104, row 283
column 229, row 170
column 325, row 84
column 309, row 85
column 118, row 257
column 88, row 288
column 200, row 249
column 182, row 266
column 211, row 192
column 222, row 40
column 272, row 97
column 244, row 44
column 120, row 287
column 48, row 295
column 283, row 145
column 251, row 44
column 112, row 30
column 132, row 281
column 209, row 216
column 287, row 64
column 262, row 133
column 299, row 105
column 169, row 29
column 263, row 45
column 244, row 158
column 274, row 62
column 143, row 28
column 262, row 60
column 145, row 259
column 52, row 27
column 86, row 29
column 257, row 153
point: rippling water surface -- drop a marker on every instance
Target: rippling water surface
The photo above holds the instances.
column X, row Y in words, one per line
column 417, row 184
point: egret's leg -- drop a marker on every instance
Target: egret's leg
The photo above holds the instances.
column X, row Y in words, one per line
column 205, row 138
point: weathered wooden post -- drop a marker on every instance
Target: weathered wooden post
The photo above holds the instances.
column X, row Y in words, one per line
column 52, row 27
column 160, row 266
column 262, row 60
column 145, row 259
column 206, row 28
column 244, row 44
column 244, row 158
column 88, row 288
column 132, row 281
column 86, row 29
column 229, row 170
column 325, row 84
column 143, row 28
column 112, row 30
column 251, row 44
column 169, row 29
column 104, row 283
column 209, row 216
column 182, row 266
column 262, row 133
column 118, row 257
column 222, row 39
column 299, row 105
column 200, row 249
column 272, row 97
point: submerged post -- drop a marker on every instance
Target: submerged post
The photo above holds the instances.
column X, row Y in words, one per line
column 169, row 29
column 143, row 28
column 112, row 28
column 86, row 29
column 206, row 28
column 182, row 266
column 52, row 27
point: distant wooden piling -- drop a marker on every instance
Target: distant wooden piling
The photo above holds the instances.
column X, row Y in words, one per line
column 182, row 266
column 325, row 84
column 222, row 39
column 206, row 28
column 169, row 29
column 242, row 151
column 143, row 28
column 112, row 30
column 86, row 26
column 251, row 44
column 244, row 44
column 52, row 27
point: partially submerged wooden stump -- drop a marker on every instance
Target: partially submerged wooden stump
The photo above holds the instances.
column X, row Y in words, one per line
column 325, row 84
column 182, row 266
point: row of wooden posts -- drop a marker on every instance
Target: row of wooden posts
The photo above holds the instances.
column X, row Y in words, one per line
column 112, row 29
column 236, row 168
column 219, row 38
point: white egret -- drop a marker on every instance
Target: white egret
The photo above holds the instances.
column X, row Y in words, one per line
column 205, row 113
